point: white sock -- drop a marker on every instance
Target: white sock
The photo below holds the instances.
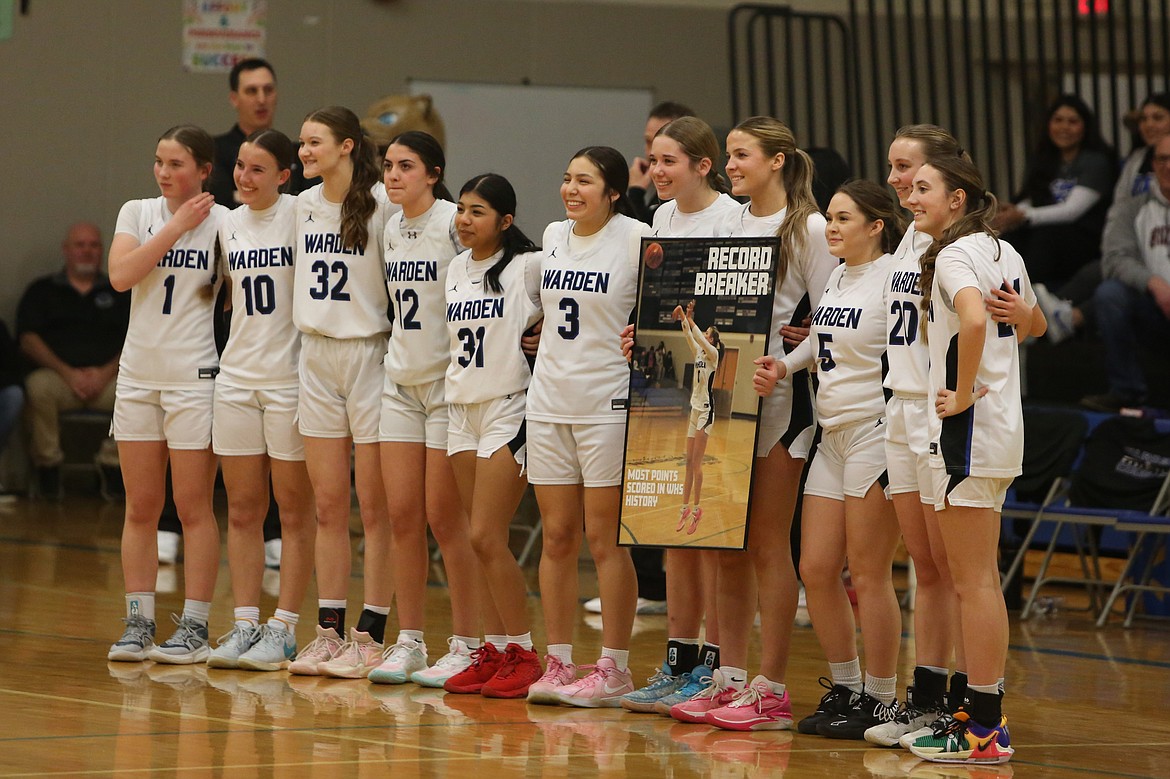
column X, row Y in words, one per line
column 383, row 610
column 140, row 603
column 562, row 652
column 523, row 640
column 471, row 641
column 410, row 635
column 986, row 689
column 736, row 678
column 1001, row 685
column 200, row 610
column 881, row 687
column 777, row 688
column 247, row 616
column 285, row 619
column 847, row 674
column 326, row 603
column 499, row 642
column 620, row 657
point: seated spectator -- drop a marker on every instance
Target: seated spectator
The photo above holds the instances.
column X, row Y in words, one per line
column 11, row 395
column 1056, row 220
column 1069, row 308
column 1134, row 298
column 71, row 325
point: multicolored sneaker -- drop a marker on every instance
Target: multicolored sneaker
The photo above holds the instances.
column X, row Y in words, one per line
column 521, row 667
column 321, row 649
column 658, row 687
column 694, row 682
column 136, row 642
column 231, row 645
column 939, row 725
column 966, row 741
column 485, row 662
column 909, row 719
column 865, row 713
column 755, row 708
column 601, row 688
column 557, row 675
column 837, row 700
column 274, row 650
column 355, row 659
column 715, row 695
column 457, row 659
column 189, row 643
column 399, row 661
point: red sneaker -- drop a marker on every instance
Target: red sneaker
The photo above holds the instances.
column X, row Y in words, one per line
column 521, row 667
column 485, row 662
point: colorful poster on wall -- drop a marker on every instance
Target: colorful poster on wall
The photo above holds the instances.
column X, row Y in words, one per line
column 219, row 33
column 688, row 460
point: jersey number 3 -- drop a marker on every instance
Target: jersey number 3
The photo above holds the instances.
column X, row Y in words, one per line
column 572, row 326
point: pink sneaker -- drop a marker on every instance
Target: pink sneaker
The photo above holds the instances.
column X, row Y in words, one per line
column 602, row 687
column 715, row 695
column 356, row 658
column 556, row 675
column 323, row 649
column 756, row 708
column 683, row 514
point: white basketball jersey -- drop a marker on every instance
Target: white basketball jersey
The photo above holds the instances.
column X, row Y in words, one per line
column 799, row 292
column 418, row 252
column 170, row 343
column 988, row 438
column 339, row 292
column 706, row 364
column 669, row 222
column 907, row 353
column 848, row 344
column 264, row 344
column 484, row 327
column 587, row 290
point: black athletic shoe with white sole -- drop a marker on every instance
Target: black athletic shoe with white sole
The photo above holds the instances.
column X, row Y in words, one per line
column 865, row 713
column 835, row 702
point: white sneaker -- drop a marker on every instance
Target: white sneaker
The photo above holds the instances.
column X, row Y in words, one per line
column 230, row 646
column 322, row 649
column 272, row 549
column 457, row 659
column 136, row 642
column 273, row 650
column 399, row 661
column 168, row 547
column 189, row 643
column 355, row 659
column 1058, row 312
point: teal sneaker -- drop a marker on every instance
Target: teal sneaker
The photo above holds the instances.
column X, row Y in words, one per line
column 273, row 650
column 659, row 686
column 693, row 683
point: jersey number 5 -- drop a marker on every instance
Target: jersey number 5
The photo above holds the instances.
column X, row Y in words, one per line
column 824, row 354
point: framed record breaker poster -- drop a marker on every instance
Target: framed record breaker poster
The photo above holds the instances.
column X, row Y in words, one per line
column 704, row 313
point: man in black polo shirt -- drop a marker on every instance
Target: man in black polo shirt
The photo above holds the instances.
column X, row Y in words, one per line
column 253, row 95
column 71, row 325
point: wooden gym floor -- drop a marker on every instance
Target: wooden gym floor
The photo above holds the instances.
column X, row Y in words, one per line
column 1083, row 702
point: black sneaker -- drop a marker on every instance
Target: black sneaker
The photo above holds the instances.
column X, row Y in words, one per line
column 838, row 699
column 865, row 713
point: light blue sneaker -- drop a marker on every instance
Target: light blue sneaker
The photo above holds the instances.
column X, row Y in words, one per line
column 229, row 647
column 694, row 683
column 660, row 685
column 274, row 650
column 189, row 643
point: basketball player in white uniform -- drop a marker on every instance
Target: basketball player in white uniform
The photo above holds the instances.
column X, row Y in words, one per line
column 420, row 486
column 493, row 297
column 339, row 305
column 254, row 429
column 164, row 252
column 908, row 413
column 976, row 435
column 847, row 514
column 576, row 420
column 705, row 351
column 685, row 174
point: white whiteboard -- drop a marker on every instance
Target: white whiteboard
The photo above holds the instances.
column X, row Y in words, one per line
column 527, row 133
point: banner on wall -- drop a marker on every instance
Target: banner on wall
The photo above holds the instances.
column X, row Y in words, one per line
column 219, row 33
column 688, row 469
